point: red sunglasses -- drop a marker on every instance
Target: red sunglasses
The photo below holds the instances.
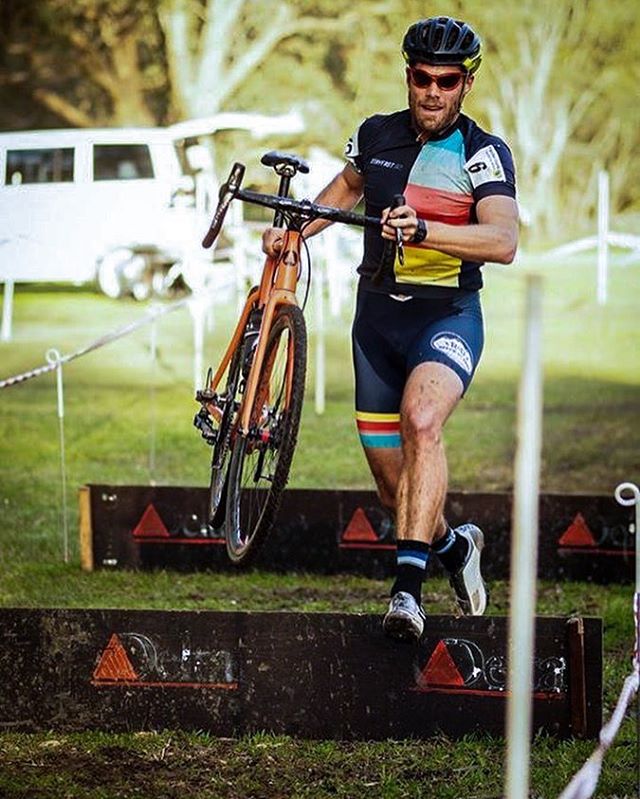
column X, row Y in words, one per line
column 446, row 82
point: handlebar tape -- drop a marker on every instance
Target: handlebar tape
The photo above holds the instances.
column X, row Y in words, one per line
column 228, row 191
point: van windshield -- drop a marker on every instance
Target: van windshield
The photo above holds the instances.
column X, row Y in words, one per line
column 122, row 162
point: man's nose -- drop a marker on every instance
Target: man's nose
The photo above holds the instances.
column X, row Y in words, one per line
column 432, row 89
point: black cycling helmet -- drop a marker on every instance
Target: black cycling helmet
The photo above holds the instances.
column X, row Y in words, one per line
column 442, row 41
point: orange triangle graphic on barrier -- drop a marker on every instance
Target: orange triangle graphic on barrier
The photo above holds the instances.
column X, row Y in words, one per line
column 359, row 528
column 440, row 669
column 114, row 665
column 150, row 525
column 577, row 534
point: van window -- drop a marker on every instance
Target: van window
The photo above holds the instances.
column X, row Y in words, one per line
column 39, row 166
column 121, row 162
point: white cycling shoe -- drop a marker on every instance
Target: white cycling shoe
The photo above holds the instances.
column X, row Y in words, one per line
column 467, row 582
column 404, row 619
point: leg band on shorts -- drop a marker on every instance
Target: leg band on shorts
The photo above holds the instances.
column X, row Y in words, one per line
column 378, row 429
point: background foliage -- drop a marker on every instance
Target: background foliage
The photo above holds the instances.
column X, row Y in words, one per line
column 559, row 79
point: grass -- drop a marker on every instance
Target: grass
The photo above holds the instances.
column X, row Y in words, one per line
column 129, row 422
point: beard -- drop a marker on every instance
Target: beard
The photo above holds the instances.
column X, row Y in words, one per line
column 431, row 117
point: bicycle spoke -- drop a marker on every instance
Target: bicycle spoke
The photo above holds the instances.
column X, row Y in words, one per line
column 261, row 457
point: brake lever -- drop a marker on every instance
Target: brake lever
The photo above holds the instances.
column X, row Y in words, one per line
column 398, row 200
column 389, row 250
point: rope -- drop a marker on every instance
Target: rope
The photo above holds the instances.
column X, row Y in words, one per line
column 585, row 781
column 99, row 342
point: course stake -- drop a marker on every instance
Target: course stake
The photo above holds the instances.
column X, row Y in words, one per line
column 525, row 548
column 55, row 359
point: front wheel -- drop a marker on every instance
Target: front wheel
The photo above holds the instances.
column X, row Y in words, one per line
column 261, row 457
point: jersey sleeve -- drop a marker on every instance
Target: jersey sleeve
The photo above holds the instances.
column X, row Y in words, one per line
column 491, row 170
column 353, row 149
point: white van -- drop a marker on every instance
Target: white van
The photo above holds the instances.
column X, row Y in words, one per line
column 116, row 205
column 76, row 205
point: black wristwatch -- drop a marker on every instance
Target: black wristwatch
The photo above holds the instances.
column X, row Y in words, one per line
column 421, row 232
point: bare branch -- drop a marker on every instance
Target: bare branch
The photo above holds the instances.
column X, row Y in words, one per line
column 63, row 108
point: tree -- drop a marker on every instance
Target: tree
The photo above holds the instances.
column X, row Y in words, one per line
column 553, row 72
column 215, row 46
column 91, row 62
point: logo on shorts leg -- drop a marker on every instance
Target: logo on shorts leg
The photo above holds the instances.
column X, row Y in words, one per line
column 454, row 348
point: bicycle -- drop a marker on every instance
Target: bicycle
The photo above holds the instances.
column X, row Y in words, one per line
column 253, row 423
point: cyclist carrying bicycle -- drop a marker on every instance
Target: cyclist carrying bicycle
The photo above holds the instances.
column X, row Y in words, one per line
column 418, row 329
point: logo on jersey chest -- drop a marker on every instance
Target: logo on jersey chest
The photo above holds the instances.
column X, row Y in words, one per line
column 385, row 164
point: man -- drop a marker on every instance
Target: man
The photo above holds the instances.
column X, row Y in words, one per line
column 418, row 330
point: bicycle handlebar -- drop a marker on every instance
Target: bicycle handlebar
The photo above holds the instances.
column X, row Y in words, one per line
column 228, row 191
column 304, row 209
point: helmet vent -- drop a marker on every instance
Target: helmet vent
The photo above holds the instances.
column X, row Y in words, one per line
column 466, row 42
column 451, row 39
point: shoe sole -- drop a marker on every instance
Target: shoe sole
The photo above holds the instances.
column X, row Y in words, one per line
column 401, row 628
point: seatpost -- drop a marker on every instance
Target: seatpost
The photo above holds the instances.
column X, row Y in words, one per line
column 283, row 191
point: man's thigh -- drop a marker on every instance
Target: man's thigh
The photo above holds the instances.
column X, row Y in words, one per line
column 432, row 392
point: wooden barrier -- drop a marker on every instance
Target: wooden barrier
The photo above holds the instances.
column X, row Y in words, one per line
column 308, row 675
column 581, row 537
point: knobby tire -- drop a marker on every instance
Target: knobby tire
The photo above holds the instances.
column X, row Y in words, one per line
column 261, row 460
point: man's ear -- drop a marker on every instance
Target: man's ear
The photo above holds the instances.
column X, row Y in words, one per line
column 468, row 84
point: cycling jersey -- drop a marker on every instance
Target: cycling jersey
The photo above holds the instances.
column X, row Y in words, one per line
column 443, row 179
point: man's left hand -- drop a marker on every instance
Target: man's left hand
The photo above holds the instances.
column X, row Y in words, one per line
column 403, row 218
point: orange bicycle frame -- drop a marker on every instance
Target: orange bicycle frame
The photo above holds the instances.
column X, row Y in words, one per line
column 277, row 287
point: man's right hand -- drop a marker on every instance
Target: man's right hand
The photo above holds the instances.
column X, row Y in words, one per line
column 272, row 241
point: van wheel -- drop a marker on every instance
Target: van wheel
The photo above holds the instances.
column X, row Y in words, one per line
column 120, row 271
column 141, row 289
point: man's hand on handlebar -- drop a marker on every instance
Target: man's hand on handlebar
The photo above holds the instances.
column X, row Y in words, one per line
column 272, row 241
column 403, row 218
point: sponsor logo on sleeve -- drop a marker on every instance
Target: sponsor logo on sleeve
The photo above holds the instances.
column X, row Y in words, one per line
column 455, row 349
column 351, row 148
column 485, row 167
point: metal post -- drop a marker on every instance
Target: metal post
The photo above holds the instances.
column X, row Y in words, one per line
column 54, row 357
column 197, row 309
column 603, row 236
column 153, row 347
column 239, row 254
column 7, row 311
column 524, row 553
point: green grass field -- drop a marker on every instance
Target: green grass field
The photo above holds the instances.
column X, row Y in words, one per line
column 128, row 422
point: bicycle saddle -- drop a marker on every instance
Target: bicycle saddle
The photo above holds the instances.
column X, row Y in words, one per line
column 285, row 162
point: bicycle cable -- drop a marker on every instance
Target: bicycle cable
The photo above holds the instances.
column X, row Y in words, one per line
column 308, row 254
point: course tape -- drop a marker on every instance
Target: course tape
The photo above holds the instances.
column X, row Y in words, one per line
column 100, row 342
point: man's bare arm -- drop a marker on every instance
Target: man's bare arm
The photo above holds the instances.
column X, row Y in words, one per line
column 494, row 238
column 344, row 192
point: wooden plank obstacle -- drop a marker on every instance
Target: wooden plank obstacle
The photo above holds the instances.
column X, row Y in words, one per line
column 309, row 675
column 581, row 537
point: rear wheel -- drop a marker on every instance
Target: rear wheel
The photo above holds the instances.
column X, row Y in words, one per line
column 261, row 458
